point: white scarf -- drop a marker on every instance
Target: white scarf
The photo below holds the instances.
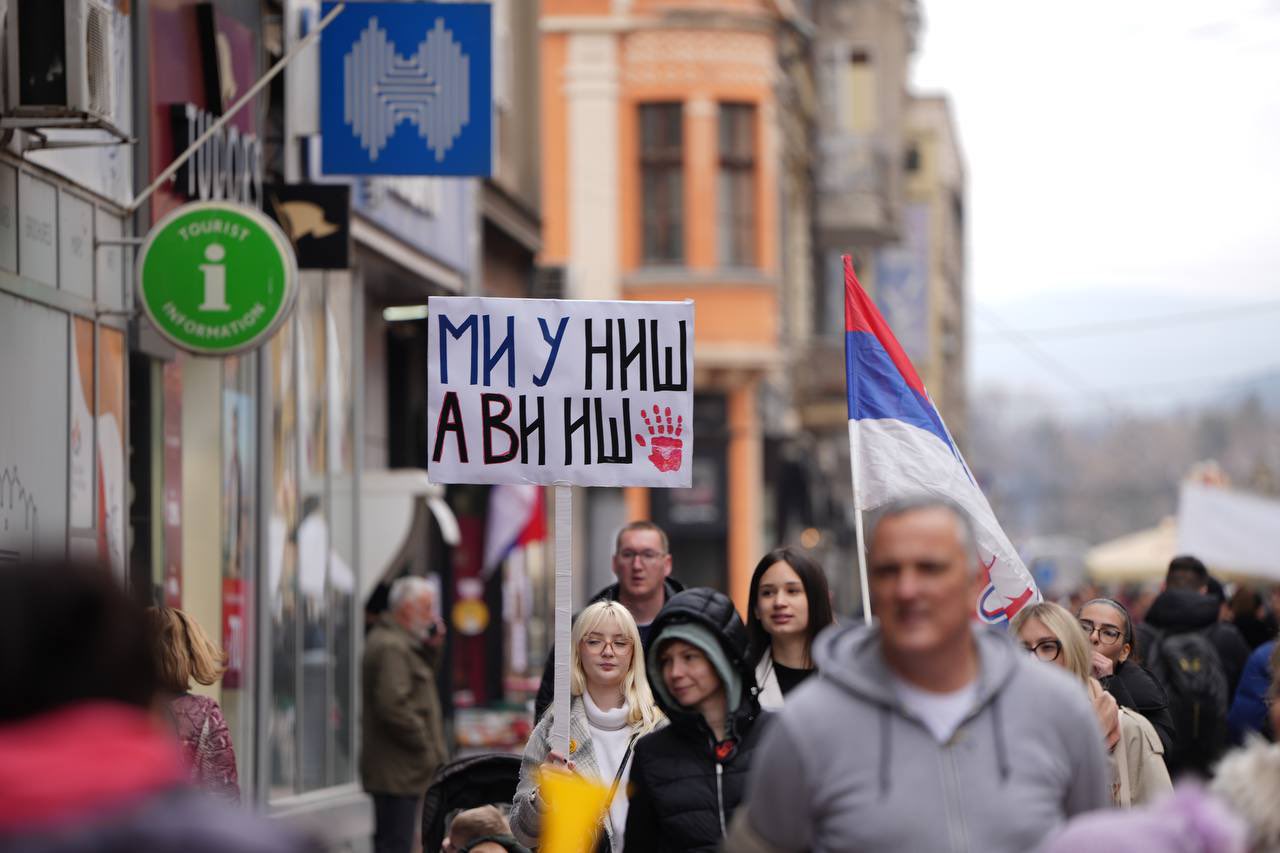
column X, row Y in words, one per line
column 610, row 734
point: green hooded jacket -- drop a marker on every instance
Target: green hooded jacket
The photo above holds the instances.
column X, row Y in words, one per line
column 402, row 732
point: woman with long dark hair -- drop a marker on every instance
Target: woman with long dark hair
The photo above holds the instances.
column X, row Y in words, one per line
column 790, row 604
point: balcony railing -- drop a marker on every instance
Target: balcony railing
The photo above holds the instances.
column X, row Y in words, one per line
column 853, row 164
column 855, row 185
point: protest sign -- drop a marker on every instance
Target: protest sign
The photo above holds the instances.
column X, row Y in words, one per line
column 564, row 393
column 560, row 392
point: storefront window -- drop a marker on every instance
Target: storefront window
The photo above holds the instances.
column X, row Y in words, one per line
column 33, row 459
column 313, row 533
column 339, row 310
column 313, row 679
column 282, row 562
column 239, row 545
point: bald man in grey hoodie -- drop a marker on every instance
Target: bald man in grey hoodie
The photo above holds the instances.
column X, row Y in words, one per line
column 925, row 731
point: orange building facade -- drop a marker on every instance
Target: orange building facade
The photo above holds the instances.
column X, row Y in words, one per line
column 660, row 137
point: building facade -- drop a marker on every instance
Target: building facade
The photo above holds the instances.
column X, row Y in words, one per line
column 936, row 186
column 241, row 489
column 888, row 189
column 64, row 333
column 663, row 154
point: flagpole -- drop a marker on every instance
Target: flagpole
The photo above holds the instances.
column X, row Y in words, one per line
column 857, row 520
column 564, row 620
column 855, row 441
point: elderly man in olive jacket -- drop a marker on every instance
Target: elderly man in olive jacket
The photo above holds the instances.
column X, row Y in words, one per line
column 402, row 734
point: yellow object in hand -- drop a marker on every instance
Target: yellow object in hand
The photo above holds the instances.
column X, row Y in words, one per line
column 574, row 808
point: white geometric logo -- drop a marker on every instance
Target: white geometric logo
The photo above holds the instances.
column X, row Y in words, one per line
column 431, row 89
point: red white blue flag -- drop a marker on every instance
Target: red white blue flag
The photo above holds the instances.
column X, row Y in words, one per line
column 517, row 517
column 901, row 448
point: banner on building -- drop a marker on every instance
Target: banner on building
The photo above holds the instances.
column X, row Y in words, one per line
column 902, row 283
column 587, row 393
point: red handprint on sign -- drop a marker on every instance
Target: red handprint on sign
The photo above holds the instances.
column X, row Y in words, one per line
column 667, row 444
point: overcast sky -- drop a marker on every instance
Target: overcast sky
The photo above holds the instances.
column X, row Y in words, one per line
column 1124, row 162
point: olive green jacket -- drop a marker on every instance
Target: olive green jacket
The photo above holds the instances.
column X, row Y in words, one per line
column 402, row 733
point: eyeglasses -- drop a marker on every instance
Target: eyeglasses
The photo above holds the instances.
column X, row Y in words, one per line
column 595, row 645
column 646, row 556
column 1107, row 635
column 1045, row 650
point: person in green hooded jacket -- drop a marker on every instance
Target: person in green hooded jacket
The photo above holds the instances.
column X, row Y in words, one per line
column 402, row 737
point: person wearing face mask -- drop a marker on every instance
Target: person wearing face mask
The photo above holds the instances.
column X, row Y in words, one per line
column 402, row 734
column 611, row 708
column 1138, row 772
column 1110, row 631
column 688, row 778
column 790, row 605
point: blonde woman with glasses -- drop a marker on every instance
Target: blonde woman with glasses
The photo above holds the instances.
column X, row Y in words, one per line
column 611, row 708
column 1053, row 635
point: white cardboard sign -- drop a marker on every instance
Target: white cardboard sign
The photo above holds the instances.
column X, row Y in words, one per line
column 551, row 391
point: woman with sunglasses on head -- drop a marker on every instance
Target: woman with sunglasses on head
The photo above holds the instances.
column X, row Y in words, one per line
column 611, row 708
column 1139, row 774
column 790, row 604
column 1109, row 629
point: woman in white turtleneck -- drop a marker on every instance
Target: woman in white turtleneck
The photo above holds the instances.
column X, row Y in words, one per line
column 612, row 707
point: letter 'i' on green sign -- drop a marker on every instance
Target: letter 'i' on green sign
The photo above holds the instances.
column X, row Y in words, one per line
column 217, row 278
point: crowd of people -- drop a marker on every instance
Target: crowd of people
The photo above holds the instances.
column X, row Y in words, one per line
column 787, row 732
column 925, row 731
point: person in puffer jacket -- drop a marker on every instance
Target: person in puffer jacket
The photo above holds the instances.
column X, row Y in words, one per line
column 688, row 778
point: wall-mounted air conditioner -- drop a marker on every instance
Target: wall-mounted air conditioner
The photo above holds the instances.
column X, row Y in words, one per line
column 60, row 63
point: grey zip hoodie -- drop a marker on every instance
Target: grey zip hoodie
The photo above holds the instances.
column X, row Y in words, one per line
column 846, row 767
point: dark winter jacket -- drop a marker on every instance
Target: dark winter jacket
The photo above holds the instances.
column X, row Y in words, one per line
column 1178, row 611
column 1134, row 687
column 402, row 730
column 547, row 688
column 685, row 789
column 99, row 777
column 1256, row 631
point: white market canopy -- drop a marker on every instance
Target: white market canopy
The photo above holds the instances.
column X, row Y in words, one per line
column 1236, row 535
column 1139, row 556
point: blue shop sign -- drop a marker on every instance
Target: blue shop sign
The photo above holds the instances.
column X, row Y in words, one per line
column 406, row 89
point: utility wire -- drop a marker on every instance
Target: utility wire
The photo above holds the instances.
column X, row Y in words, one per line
column 1106, row 398
column 1160, row 321
column 1037, row 354
column 1167, row 388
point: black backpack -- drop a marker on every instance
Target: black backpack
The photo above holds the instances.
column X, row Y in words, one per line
column 1189, row 668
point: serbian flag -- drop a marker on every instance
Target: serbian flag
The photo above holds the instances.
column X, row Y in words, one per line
column 901, row 448
column 517, row 517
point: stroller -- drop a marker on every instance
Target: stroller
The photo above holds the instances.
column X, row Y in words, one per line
column 478, row 780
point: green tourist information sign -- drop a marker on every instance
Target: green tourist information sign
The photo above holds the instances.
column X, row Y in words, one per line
column 217, row 278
